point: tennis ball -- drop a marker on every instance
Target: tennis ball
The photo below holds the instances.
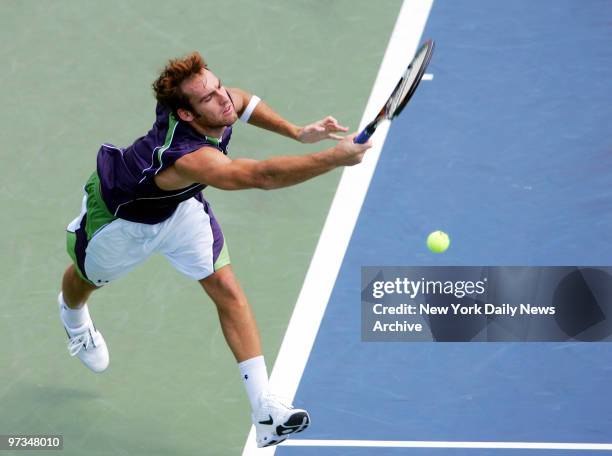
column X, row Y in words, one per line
column 438, row 241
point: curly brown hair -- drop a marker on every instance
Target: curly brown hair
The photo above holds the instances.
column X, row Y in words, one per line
column 167, row 86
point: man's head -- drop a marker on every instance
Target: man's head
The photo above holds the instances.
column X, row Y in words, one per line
column 194, row 93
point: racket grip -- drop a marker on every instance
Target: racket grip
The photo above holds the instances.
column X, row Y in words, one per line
column 363, row 137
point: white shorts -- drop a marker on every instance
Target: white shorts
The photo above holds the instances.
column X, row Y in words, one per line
column 191, row 239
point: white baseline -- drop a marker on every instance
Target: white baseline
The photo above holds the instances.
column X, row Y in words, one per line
column 451, row 444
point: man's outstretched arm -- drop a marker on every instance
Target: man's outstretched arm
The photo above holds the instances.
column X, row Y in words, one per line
column 208, row 166
column 265, row 117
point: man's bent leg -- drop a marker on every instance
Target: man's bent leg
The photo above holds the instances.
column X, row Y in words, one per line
column 75, row 290
column 84, row 340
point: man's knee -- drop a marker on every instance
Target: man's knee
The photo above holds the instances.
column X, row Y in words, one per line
column 75, row 281
column 223, row 287
column 75, row 289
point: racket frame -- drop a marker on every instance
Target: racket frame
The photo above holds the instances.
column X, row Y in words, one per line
column 386, row 112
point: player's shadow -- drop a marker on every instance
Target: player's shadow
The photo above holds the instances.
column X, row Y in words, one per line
column 55, row 395
column 74, row 413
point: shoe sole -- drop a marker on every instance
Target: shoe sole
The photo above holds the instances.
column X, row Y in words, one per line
column 296, row 423
column 274, row 442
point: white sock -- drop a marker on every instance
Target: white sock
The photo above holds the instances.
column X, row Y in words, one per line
column 73, row 318
column 255, row 377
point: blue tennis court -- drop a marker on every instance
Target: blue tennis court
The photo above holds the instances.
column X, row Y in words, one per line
column 508, row 150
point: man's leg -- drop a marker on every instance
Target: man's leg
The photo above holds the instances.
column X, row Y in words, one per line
column 235, row 314
column 75, row 290
column 117, row 247
column 272, row 418
column 84, row 340
column 240, row 330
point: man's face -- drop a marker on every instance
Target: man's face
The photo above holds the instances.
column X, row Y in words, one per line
column 211, row 105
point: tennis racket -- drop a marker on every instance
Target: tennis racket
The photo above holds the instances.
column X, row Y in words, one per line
column 403, row 91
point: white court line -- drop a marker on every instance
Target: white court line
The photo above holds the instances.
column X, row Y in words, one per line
column 437, row 444
column 346, row 205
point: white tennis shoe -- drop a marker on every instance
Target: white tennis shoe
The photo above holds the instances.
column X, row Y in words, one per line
column 87, row 343
column 274, row 420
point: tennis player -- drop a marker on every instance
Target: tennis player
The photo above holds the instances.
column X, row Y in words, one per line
column 146, row 199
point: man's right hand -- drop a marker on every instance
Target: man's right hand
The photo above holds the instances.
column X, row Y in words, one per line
column 348, row 153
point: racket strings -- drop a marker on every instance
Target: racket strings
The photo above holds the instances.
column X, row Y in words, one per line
column 407, row 81
column 401, row 93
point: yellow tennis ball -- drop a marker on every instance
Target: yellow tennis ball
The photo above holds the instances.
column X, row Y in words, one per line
column 438, row 241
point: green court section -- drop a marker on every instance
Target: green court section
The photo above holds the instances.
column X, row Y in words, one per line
column 78, row 73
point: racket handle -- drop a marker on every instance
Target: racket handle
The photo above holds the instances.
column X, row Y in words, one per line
column 363, row 137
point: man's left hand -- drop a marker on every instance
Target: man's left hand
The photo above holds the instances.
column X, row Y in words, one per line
column 318, row 131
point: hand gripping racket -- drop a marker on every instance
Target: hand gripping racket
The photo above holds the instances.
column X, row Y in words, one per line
column 403, row 91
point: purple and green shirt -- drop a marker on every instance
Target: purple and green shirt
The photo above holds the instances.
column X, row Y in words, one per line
column 127, row 175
